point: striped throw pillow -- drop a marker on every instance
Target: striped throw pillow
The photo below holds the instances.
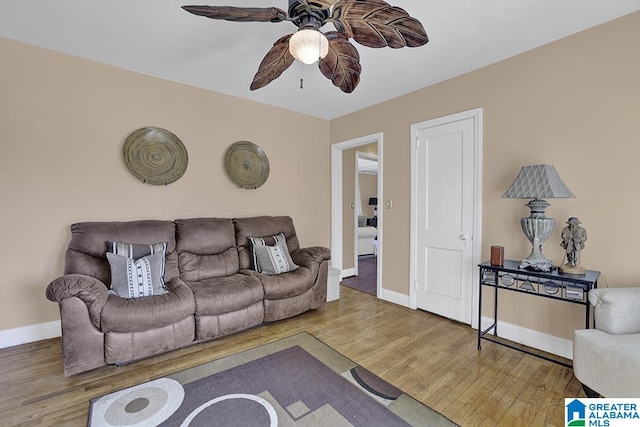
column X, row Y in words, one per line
column 271, row 259
column 137, row 278
column 137, row 251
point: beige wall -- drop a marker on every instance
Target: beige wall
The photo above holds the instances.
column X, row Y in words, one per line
column 63, row 121
column 574, row 103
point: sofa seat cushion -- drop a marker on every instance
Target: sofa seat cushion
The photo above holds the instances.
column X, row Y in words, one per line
column 152, row 312
column 221, row 295
column 287, row 285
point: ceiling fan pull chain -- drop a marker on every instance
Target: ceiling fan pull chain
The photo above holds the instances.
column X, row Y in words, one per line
column 301, row 78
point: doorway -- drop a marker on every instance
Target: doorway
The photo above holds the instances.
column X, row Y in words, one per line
column 365, row 191
column 446, row 214
column 343, row 211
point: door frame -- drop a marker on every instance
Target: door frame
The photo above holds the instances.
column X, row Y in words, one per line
column 336, row 201
column 476, row 236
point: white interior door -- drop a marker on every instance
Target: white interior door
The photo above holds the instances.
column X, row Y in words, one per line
column 445, row 219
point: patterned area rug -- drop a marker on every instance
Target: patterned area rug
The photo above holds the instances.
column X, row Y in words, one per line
column 294, row 381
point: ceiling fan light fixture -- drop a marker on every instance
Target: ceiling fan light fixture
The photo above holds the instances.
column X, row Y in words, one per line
column 308, row 45
column 372, row 23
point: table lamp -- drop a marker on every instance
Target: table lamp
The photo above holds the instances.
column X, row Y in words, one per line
column 373, row 201
column 537, row 182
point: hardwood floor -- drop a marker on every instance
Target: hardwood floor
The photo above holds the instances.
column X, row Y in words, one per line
column 433, row 359
column 367, row 278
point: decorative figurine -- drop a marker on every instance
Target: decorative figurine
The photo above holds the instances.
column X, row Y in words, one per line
column 573, row 238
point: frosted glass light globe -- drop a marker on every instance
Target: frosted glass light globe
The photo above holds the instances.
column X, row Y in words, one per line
column 308, row 45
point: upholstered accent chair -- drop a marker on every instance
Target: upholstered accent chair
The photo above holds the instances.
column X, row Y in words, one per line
column 606, row 359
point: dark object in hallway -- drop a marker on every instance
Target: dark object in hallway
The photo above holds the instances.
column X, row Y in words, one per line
column 366, row 280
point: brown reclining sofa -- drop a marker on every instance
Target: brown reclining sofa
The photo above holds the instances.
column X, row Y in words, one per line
column 211, row 288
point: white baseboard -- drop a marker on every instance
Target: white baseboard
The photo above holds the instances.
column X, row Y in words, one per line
column 395, row 297
column 549, row 343
column 349, row 272
column 27, row 334
column 529, row 337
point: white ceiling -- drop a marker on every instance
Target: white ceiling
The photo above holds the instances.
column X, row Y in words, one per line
column 157, row 37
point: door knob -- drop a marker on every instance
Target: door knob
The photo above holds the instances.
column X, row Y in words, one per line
column 465, row 237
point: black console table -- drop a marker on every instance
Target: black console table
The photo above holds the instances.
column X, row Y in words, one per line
column 563, row 287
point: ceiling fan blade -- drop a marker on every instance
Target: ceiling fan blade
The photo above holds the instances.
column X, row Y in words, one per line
column 375, row 23
column 277, row 60
column 239, row 14
column 342, row 63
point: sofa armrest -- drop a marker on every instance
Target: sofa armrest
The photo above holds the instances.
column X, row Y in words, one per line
column 311, row 257
column 616, row 310
column 90, row 290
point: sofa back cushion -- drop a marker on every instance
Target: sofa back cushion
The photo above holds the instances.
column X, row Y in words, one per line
column 87, row 249
column 262, row 226
column 206, row 248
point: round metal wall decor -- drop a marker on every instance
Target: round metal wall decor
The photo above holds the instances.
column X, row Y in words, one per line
column 155, row 156
column 247, row 164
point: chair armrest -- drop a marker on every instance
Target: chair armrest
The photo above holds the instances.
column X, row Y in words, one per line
column 90, row 290
column 311, row 257
column 616, row 310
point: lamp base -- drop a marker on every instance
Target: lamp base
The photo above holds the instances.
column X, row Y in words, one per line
column 537, row 265
column 536, row 260
column 537, row 227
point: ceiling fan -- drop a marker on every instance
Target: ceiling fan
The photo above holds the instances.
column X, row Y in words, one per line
column 372, row 23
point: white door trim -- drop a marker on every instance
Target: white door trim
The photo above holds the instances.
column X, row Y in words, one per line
column 476, row 115
column 336, row 200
